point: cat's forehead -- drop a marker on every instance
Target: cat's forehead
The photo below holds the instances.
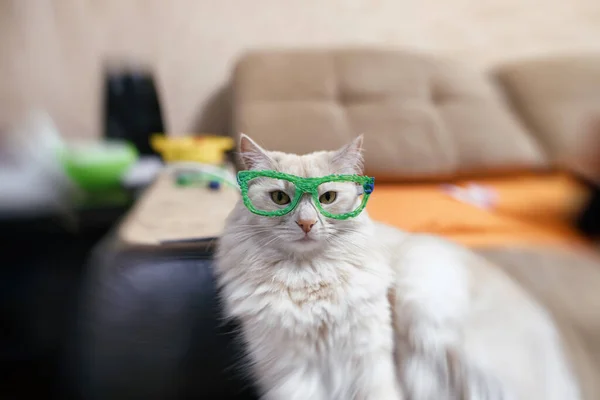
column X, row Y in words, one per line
column 308, row 165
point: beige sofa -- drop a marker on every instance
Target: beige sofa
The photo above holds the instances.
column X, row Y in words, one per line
column 425, row 119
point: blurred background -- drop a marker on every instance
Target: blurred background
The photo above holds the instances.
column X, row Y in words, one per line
column 92, row 90
column 53, row 52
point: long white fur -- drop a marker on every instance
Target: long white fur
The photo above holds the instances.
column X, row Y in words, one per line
column 365, row 311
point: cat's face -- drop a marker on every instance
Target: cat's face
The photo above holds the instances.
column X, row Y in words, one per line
column 304, row 229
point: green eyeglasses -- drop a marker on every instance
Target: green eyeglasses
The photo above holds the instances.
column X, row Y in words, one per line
column 273, row 194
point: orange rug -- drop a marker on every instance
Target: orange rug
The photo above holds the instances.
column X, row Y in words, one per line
column 528, row 209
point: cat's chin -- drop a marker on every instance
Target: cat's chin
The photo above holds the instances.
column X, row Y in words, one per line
column 305, row 244
column 306, row 239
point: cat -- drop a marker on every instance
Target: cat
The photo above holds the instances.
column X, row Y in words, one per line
column 314, row 313
column 357, row 310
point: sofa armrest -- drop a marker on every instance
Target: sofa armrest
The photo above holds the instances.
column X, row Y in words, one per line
column 149, row 327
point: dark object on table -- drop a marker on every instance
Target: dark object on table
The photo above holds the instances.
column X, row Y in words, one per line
column 589, row 220
column 132, row 108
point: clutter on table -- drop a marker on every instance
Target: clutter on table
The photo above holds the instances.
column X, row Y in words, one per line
column 32, row 179
column 203, row 175
column 98, row 165
column 206, row 149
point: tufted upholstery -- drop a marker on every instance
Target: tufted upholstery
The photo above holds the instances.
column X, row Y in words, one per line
column 421, row 116
column 559, row 99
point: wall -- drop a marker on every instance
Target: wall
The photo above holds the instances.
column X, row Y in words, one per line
column 52, row 51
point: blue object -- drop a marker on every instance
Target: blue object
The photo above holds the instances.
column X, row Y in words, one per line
column 214, row 185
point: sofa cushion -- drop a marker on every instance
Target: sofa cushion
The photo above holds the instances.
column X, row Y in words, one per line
column 559, row 99
column 565, row 281
column 421, row 116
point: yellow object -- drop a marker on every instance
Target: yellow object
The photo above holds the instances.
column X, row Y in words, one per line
column 203, row 149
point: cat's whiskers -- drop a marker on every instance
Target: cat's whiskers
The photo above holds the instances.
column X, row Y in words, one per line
column 244, row 235
column 274, row 239
column 350, row 239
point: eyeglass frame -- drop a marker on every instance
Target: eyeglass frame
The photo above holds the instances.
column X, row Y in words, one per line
column 304, row 186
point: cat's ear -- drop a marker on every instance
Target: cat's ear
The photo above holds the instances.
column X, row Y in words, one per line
column 349, row 159
column 252, row 155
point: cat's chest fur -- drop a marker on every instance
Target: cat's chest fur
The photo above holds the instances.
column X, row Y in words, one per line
column 321, row 302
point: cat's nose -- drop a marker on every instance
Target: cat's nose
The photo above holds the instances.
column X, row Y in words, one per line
column 306, row 224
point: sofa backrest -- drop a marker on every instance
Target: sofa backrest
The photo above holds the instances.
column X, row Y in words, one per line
column 422, row 117
column 559, row 100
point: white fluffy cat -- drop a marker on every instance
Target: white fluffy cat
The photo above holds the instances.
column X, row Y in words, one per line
column 352, row 310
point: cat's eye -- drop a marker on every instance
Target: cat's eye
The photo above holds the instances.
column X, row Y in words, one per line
column 280, row 198
column 328, row 197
